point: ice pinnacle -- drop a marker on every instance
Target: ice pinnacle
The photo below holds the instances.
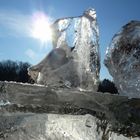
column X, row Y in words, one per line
column 76, row 38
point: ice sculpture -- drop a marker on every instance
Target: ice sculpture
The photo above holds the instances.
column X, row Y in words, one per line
column 123, row 59
column 76, row 38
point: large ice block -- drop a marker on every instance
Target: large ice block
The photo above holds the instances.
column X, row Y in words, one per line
column 77, row 39
column 123, row 59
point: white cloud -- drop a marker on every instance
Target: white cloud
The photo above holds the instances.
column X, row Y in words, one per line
column 31, row 54
column 19, row 25
column 16, row 23
column 35, row 57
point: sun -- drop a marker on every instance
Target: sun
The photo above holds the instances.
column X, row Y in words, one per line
column 41, row 27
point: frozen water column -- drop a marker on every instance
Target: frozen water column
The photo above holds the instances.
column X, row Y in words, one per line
column 74, row 61
column 123, row 59
column 79, row 37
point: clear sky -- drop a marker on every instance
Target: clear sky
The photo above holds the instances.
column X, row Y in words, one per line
column 17, row 43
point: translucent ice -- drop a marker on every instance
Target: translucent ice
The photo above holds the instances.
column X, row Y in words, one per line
column 123, row 59
column 77, row 39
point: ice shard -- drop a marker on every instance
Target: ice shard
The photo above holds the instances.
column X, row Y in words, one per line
column 123, row 59
column 77, row 39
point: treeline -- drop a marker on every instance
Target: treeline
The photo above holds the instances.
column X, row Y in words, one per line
column 107, row 86
column 17, row 71
column 14, row 71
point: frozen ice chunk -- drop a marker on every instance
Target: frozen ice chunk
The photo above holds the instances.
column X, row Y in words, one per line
column 78, row 38
column 123, row 59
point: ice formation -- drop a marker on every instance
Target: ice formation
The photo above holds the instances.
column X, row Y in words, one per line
column 55, row 127
column 123, row 59
column 76, row 38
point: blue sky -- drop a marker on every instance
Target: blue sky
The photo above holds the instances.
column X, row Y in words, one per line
column 17, row 44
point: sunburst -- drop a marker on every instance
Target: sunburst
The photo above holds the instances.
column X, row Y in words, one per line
column 41, row 27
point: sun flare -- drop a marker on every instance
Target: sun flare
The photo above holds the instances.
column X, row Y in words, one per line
column 41, row 27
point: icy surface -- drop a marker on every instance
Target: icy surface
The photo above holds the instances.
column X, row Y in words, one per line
column 28, row 116
column 3, row 103
column 123, row 59
column 81, row 34
column 76, row 50
column 31, row 126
